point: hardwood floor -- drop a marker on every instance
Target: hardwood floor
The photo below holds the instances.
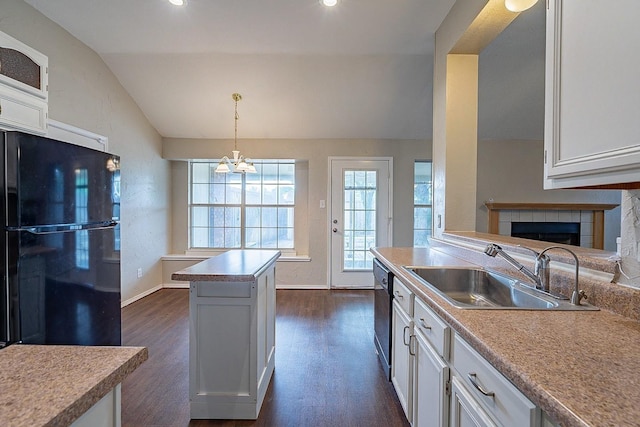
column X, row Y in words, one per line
column 327, row 372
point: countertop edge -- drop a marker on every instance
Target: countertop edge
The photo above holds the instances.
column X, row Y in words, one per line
column 195, row 273
column 54, row 385
column 101, row 389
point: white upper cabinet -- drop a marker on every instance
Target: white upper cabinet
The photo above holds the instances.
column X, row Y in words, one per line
column 592, row 92
column 23, row 86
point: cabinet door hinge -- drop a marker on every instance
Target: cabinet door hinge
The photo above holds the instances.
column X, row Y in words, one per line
column 545, row 157
column 447, row 387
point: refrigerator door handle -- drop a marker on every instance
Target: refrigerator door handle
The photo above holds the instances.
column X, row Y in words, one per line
column 65, row 228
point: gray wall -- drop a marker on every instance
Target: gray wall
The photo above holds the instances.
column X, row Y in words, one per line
column 512, row 171
column 84, row 93
column 312, row 224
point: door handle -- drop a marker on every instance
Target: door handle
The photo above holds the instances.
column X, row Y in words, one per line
column 335, row 230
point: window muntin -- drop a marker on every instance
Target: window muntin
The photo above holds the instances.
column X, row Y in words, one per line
column 422, row 203
column 360, row 206
column 251, row 211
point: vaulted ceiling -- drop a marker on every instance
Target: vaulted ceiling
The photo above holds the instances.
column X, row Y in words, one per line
column 362, row 69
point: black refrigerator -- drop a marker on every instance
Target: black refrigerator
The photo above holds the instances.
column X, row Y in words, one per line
column 60, row 249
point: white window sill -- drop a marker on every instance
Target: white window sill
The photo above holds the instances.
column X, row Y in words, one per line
column 202, row 255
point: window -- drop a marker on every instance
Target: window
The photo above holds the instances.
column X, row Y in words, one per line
column 422, row 203
column 249, row 211
column 360, row 191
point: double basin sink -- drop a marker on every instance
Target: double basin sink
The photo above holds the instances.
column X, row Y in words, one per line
column 475, row 288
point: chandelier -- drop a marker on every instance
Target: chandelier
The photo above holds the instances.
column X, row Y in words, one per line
column 238, row 162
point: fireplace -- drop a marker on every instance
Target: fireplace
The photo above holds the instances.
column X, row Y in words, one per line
column 589, row 216
column 567, row 233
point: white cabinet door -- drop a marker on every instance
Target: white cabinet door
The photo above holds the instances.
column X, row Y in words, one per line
column 400, row 357
column 465, row 411
column 430, row 400
column 591, row 113
column 24, row 86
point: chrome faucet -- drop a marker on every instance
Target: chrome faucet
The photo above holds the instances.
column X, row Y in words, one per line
column 577, row 294
column 540, row 275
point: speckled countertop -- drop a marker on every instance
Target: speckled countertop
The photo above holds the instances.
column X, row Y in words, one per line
column 231, row 266
column 582, row 368
column 48, row 385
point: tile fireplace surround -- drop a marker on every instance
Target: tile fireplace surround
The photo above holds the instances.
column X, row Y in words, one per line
column 589, row 215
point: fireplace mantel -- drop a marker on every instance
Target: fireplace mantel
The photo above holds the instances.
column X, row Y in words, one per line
column 597, row 209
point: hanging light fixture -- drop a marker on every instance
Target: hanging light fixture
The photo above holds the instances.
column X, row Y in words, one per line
column 519, row 5
column 238, row 163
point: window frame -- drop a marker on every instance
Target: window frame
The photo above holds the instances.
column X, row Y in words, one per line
column 422, row 205
column 243, row 206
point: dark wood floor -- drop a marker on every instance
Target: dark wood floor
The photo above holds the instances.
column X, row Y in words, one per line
column 327, row 372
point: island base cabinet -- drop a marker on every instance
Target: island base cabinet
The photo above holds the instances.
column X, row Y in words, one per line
column 231, row 347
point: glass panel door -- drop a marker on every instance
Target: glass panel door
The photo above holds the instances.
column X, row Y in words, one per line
column 360, row 219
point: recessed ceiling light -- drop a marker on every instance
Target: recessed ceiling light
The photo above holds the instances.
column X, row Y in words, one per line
column 519, row 5
column 177, row 2
column 329, row 3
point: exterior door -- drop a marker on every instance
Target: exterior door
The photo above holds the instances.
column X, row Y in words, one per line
column 360, row 218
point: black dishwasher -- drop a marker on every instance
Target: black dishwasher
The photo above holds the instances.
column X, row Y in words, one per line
column 383, row 297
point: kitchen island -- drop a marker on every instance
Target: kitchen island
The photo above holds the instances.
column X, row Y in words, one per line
column 51, row 385
column 580, row 367
column 231, row 333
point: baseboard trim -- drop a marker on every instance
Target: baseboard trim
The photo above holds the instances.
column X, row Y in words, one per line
column 140, row 296
column 179, row 285
column 314, row 287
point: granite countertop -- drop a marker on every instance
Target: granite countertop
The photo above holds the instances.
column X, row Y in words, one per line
column 231, row 266
column 50, row 385
column 581, row 367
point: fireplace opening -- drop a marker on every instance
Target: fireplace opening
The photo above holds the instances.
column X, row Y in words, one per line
column 567, row 233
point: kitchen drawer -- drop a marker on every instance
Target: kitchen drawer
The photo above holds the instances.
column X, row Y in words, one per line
column 434, row 330
column 505, row 402
column 403, row 296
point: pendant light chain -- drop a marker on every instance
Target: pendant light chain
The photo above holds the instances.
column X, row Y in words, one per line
column 236, row 97
column 238, row 163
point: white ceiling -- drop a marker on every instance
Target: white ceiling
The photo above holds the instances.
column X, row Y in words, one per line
column 362, row 69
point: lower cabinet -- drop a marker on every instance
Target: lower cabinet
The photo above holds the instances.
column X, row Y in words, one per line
column 442, row 381
column 490, row 390
column 431, row 377
column 401, row 369
column 465, row 410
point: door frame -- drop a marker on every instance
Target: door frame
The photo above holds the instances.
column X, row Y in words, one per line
column 331, row 159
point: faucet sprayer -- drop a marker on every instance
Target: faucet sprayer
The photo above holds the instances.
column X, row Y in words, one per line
column 492, row 250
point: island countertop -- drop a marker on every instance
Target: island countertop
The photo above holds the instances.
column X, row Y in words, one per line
column 232, row 266
column 52, row 385
column 581, row 367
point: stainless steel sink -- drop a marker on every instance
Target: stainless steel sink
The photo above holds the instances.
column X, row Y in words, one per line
column 475, row 288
